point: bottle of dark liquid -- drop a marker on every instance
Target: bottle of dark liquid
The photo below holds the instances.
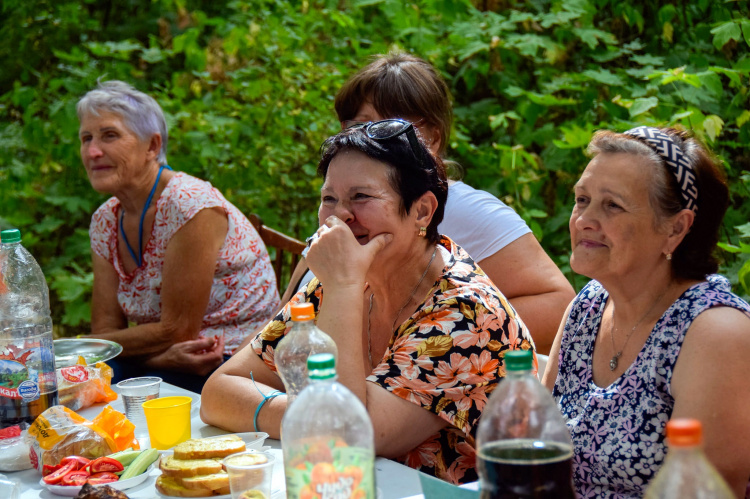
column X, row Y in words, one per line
column 524, row 447
column 28, row 382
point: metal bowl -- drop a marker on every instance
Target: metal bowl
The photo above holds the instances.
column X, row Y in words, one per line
column 93, row 350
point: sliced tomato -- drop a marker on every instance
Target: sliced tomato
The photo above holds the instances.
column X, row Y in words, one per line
column 75, row 477
column 59, row 473
column 105, row 464
column 102, row 477
column 47, row 469
column 81, row 462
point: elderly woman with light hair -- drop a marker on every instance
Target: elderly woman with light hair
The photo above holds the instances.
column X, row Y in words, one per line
column 180, row 274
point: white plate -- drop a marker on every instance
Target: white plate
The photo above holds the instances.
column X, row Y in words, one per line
column 72, row 490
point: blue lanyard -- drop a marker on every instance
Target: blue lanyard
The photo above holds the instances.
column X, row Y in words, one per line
column 139, row 259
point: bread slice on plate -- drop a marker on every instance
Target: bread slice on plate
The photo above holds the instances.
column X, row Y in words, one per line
column 185, row 468
column 214, row 481
column 207, row 448
column 169, row 486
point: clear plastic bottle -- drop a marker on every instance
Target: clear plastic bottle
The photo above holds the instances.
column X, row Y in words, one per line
column 686, row 473
column 292, row 352
column 327, row 439
column 524, row 449
column 28, row 384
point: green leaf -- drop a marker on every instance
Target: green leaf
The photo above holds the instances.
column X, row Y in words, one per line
column 725, row 32
column 743, row 276
column 645, row 60
column 642, row 105
column 712, row 126
column 743, row 118
column 604, row 76
column 730, row 248
column 744, row 229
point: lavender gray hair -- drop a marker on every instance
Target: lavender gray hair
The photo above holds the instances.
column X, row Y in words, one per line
column 140, row 113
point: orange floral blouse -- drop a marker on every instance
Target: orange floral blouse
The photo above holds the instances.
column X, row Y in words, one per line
column 447, row 358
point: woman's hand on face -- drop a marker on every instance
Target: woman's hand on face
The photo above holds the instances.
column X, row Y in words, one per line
column 337, row 258
column 199, row 356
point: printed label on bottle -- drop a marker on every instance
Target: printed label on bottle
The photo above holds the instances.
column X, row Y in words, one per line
column 328, row 469
column 21, row 371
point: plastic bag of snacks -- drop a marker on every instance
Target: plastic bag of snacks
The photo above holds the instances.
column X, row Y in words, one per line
column 14, row 451
column 59, row 432
column 81, row 386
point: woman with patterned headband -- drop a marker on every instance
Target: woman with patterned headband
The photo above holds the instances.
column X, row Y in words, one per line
column 655, row 334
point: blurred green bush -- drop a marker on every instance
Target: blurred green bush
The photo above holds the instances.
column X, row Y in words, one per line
column 248, row 90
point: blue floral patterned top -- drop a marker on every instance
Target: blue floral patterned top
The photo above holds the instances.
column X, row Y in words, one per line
column 618, row 431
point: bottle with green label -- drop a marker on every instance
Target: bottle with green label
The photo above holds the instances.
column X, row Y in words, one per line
column 327, row 439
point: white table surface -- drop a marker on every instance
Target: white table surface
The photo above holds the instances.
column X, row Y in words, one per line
column 394, row 480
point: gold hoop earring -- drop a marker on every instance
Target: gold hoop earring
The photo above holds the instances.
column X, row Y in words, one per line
column 669, row 256
column 422, row 232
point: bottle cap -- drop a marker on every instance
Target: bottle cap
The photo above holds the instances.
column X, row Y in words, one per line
column 321, row 366
column 303, row 312
column 10, row 236
column 684, row 432
column 519, row 360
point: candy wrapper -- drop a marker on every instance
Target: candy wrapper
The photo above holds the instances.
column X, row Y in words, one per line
column 59, row 432
column 81, row 386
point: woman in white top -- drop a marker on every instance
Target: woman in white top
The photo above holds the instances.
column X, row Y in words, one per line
column 399, row 85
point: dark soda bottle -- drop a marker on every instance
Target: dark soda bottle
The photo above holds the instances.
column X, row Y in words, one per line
column 524, row 447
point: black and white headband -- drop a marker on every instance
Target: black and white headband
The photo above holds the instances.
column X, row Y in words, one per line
column 675, row 159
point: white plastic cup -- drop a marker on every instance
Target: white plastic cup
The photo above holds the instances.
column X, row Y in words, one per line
column 134, row 392
column 250, row 474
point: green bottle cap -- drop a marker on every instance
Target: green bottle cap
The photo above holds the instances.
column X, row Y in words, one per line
column 10, row 236
column 519, row 360
column 321, row 366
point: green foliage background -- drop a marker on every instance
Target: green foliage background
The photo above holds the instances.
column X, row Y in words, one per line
column 248, row 90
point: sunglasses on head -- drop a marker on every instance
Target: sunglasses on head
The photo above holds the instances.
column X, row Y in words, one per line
column 390, row 129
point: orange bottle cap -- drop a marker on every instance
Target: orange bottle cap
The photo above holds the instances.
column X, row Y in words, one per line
column 684, row 432
column 303, row 312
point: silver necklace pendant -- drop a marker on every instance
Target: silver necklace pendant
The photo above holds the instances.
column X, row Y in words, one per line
column 613, row 361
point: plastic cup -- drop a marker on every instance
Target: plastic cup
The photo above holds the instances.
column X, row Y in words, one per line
column 250, row 474
column 134, row 392
column 168, row 420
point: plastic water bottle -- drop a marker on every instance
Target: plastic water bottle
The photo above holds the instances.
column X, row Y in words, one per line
column 686, row 473
column 524, row 446
column 292, row 352
column 28, row 384
column 327, row 439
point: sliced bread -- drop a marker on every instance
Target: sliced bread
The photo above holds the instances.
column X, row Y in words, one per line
column 169, row 486
column 207, row 448
column 184, row 468
column 213, row 481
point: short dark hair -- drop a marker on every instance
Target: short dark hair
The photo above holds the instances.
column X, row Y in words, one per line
column 399, row 85
column 409, row 175
column 693, row 258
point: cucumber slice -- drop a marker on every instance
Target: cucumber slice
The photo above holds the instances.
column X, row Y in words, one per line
column 140, row 463
column 126, row 456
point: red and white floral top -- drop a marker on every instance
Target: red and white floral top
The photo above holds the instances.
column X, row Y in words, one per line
column 243, row 294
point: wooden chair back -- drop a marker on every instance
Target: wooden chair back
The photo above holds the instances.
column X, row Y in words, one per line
column 283, row 244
